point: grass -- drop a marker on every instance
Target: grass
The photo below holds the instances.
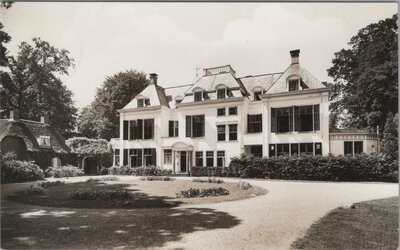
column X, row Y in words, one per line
column 371, row 225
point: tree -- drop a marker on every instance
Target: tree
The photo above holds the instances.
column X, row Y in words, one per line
column 34, row 86
column 365, row 76
column 100, row 119
column 390, row 142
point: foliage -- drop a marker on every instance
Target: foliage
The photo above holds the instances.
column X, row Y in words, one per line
column 35, row 86
column 100, row 194
column 4, row 38
column 47, row 184
column 84, row 146
column 100, row 119
column 243, row 185
column 105, row 178
column 208, row 180
column 204, row 192
column 63, row 171
column 390, row 142
column 34, row 190
column 156, row 178
column 104, row 171
column 18, row 171
column 209, row 171
column 139, row 171
column 365, row 75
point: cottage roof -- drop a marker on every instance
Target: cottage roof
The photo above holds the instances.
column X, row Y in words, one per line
column 30, row 132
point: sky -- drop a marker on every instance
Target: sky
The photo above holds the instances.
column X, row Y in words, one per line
column 173, row 39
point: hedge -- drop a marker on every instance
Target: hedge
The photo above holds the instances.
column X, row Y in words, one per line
column 19, row 171
column 64, row 171
column 139, row 171
column 307, row 167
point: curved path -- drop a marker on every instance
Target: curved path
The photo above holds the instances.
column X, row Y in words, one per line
column 271, row 221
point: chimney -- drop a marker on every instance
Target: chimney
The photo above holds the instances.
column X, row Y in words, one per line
column 14, row 115
column 294, row 54
column 153, row 78
column 44, row 119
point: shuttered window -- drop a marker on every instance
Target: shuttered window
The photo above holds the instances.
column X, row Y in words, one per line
column 188, row 126
column 316, row 117
column 254, row 123
column 296, row 118
column 273, row 120
column 173, row 128
column 125, row 130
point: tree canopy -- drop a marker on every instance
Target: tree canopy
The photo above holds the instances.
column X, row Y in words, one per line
column 390, row 142
column 84, row 146
column 365, row 76
column 34, row 87
column 100, row 119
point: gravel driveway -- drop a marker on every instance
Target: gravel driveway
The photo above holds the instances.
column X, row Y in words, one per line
column 271, row 221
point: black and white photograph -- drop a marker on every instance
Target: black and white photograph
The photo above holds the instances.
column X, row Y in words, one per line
column 199, row 125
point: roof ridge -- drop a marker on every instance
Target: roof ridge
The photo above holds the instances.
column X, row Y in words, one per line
column 262, row 74
column 178, row 86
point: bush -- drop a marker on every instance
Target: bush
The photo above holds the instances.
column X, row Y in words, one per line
column 210, row 171
column 208, row 180
column 19, row 171
column 308, row 167
column 156, row 178
column 34, row 190
column 104, row 194
column 104, row 171
column 243, row 185
column 205, row 192
column 63, row 171
column 139, row 171
column 48, row 184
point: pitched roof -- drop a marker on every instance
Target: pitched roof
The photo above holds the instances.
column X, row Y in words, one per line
column 263, row 81
column 30, row 131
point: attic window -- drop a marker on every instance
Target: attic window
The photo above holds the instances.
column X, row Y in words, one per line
column 144, row 102
column 222, row 93
column 294, row 85
column 257, row 95
column 44, row 141
column 200, row 96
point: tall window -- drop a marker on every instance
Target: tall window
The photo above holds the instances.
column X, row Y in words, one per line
column 358, row 147
column 148, row 128
column 318, row 148
column 233, row 132
column 233, row 111
column 221, row 93
column 221, row 132
column 221, row 112
column 294, row 148
column 294, row 85
column 256, row 150
column 195, row 126
column 296, row 118
column 284, row 119
column 199, row 158
column 167, row 156
column 305, row 118
column 173, row 128
column 254, row 123
column 116, row 157
column 220, row 158
column 149, row 156
column 257, row 95
column 55, row 162
column 136, row 157
column 272, row 150
column 210, row 158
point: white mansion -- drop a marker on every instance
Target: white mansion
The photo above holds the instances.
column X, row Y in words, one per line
column 221, row 115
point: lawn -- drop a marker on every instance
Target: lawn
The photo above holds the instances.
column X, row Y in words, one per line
column 371, row 225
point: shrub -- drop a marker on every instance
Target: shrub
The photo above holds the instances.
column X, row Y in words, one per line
column 109, row 178
column 63, row 171
column 19, row 171
column 34, row 190
column 48, row 184
column 156, row 178
column 139, row 171
column 210, row 171
column 103, row 194
column 104, row 171
column 205, row 192
column 208, row 180
column 93, row 180
column 243, row 185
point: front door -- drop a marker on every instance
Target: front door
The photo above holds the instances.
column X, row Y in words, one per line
column 183, row 161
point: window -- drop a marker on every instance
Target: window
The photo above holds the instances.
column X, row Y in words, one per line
column 149, row 156
column 233, row 111
column 140, row 103
column 178, row 101
column 209, row 158
column 195, row 126
column 148, row 128
column 206, row 96
column 125, row 157
column 173, row 129
column 318, row 148
column 306, row 148
column 256, row 150
column 134, row 129
column 147, row 102
column 167, row 156
column 220, row 158
column 358, row 147
column 294, row 85
column 257, row 95
column 272, row 150
column 348, row 147
column 44, row 141
column 254, row 123
column 221, row 112
column 136, row 157
column 197, row 96
column 305, row 118
column 199, row 159
column 294, row 149
column 55, row 162
column 221, row 132
column 353, row 147
column 284, row 119
column 116, row 157
column 282, row 149
column 296, row 118
column 221, row 93
column 233, row 132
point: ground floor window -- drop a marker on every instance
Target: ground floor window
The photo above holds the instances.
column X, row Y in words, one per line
column 167, row 156
column 256, row 150
column 353, row 147
column 116, row 157
column 210, row 158
column 295, row 148
column 199, row 159
column 139, row 157
column 220, row 158
column 136, row 157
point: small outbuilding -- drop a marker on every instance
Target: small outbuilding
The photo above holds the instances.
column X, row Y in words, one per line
column 344, row 142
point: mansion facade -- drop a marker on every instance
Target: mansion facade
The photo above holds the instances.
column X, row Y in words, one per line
column 221, row 116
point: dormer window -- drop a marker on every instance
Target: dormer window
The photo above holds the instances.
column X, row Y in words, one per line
column 222, row 93
column 198, row 96
column 257, row 95
column 294, row 85
column 144, row 102
column 44, row 141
